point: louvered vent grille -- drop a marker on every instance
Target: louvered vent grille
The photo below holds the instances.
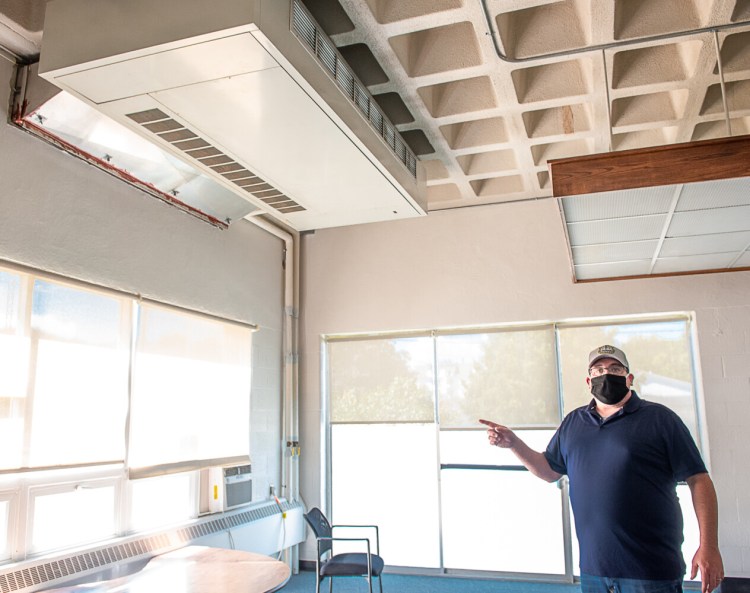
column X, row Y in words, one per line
column 159, row 123
column 307, row 30
column 72, row 565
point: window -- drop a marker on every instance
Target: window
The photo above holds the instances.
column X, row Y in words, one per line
column 412, row 404
column 77, row 373
column 160, row 501
column 382, row 408
column 70, row 514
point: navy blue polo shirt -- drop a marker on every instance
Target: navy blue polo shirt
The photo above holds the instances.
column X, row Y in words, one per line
column 623, row 472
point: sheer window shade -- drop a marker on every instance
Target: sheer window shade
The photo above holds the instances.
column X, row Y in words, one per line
column 506, row 376
column 65, row 374
column 190, row 394
column 80, row 342
column 381, row 380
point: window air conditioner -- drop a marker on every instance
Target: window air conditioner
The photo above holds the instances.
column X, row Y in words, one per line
column 225, row 488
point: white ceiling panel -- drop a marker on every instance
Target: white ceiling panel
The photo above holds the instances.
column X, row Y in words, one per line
column 618, row 204
column 720, row 243
column 744, row 261
column 715, row 194
column 711, row 261
column 615, row 270
column 616, row 231
column 614, row 252
column 702, row 222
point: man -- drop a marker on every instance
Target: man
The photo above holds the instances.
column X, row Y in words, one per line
column 623, row 457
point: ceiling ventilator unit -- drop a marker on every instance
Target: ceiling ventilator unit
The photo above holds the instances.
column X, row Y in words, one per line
column 250, row 92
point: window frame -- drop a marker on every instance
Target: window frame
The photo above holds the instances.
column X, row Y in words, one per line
column 697, row 400
column 65, row 486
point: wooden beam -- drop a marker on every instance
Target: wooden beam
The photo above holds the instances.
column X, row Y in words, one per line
column 705, row 160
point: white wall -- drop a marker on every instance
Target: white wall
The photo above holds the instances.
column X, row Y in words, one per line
column 60, row 214
column 508, row 263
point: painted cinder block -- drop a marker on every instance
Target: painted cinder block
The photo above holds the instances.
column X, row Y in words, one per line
column 731, row 390
column 722, row 330
column 737, row 365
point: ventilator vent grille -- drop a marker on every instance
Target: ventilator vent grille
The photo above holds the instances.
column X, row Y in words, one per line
column 170, row 130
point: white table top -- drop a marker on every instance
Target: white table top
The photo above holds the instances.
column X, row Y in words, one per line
column 197, row 569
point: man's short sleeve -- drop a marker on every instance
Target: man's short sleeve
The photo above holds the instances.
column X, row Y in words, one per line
column 684, row 456
column 554, row 454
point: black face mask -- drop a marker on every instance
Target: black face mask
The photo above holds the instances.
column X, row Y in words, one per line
column 609, row 389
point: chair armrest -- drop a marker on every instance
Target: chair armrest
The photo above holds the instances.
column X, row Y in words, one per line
column 375, row 527
column 344, row 539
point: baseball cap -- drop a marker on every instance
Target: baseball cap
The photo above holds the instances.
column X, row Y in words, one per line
column 608, row 352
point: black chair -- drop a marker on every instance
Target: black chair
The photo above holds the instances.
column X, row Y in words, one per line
column 348, row 564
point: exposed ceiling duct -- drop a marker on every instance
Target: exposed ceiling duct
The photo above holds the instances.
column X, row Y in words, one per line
column 249, row 92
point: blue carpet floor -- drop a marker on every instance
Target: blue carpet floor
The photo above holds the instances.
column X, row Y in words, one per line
column 304, row 582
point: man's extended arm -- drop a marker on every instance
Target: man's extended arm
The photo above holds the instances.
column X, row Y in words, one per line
column 534, row 461
column 708, row 557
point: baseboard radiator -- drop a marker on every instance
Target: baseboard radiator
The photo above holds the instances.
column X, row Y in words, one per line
column 127, row 554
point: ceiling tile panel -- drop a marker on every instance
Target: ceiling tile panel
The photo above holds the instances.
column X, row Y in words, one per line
column 614, row 252
column 621, row 204
column 711, row 261
column 715, row 194
column 743, row 261
column 616, row 231
column 700, row 222
column 704, row 244
column 616, row 270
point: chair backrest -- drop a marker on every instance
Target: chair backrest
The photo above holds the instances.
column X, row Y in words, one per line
column 320, row 527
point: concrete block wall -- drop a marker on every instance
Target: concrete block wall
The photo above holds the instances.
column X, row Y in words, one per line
column 724, row 340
